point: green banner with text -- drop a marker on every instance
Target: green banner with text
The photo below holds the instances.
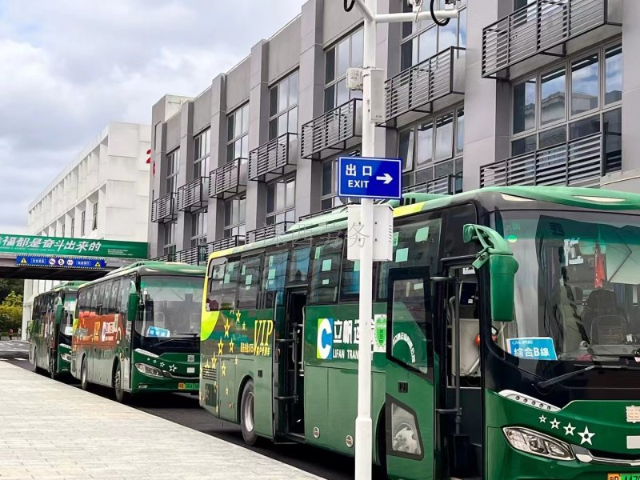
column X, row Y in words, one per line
column 29, row 245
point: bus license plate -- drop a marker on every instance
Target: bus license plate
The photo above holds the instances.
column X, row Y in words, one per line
column 187, row 386
column 624, row 476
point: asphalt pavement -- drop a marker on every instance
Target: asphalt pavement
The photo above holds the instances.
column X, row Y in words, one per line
column 184, row 410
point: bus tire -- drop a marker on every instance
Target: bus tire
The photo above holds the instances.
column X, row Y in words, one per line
column 120, row 394
column 84, row 375
column 52, row 366
column 247, row 417
column 34, row 360
column 381, row 442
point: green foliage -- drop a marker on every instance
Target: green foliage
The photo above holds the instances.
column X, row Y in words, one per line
column 8, row 285
column 10, row 317
column 13, row 300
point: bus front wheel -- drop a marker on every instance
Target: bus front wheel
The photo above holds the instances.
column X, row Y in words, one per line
column 84, row 375
column 52, row 366
column 247, row 415
column 121, row 396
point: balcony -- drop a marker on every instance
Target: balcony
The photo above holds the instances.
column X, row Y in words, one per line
column 195, row 255
column 229, row 179
column 581, row 162
column 163, row 209
column 448, row 185
column 194, row 195
column 338, row 129
column 542, row 27
column 225, row 243
column 268, row 231
column 272, row 159
column 416, row 89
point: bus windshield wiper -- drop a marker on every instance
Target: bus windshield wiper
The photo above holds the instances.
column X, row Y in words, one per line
column 575, row 373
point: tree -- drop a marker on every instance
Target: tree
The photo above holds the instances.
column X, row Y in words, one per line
column 8, row 285
column 13, row 300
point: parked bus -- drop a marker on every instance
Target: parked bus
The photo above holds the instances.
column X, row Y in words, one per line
column 138, row 329
column 50, row 329
column 506, row 336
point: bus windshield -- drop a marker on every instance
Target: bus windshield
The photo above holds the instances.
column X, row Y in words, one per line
column 172, row 307
column 576, row 290
column 66, row 326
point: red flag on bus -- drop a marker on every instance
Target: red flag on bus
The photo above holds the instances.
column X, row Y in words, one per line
column 599, row 270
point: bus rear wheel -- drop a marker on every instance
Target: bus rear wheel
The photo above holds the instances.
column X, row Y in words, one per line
column 247, row 419
column 121, row 395
column 84, row 375
column 52, row 367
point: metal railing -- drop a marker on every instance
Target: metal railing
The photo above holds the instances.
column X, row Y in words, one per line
column 270, row 157
column 538, row 28
column 268, row 231
column 421, row 84
column 334, row 127
column 193, row 195
column 228, row 179
column 447, row 185
column 196, row 255
column 577, row 162
column 163, row 209
column 225, row 243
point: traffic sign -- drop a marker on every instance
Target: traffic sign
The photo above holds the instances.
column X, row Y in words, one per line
column 360, row 177
column 64, row 262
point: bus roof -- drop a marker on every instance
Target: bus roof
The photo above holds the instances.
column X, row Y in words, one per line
column 64, row 286
column 153, row 268
column 412, row 203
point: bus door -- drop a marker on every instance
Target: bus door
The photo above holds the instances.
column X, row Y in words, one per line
column 458, row 386
column 409, row 376
column 290, row 367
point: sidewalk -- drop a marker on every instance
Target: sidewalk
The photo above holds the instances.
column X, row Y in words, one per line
column 49, row 430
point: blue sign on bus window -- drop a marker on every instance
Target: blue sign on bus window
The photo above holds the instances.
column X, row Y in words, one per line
column 158, row 332
column 534, row 348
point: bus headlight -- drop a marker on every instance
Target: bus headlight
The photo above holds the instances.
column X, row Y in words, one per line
column 149, row 370
column 66, row 357
column 537, row 443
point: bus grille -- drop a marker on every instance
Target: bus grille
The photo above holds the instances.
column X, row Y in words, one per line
column 209, row 373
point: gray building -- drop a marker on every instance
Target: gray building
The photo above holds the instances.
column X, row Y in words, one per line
column 513, row 92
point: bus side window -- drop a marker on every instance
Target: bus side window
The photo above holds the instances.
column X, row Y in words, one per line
column 299, row 266
column 350, row 285
column 325, row 271
column 113, row 302
column 214, row 288
column 273, row 277
column 249, row 282
column 229, row 288
column 106, row 297
column 126, row 285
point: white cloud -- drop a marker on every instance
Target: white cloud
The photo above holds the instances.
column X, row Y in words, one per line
column 71, row 66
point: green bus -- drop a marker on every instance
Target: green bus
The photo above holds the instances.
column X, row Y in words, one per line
column 506, row 336
column 138, row 329
column 50, row 329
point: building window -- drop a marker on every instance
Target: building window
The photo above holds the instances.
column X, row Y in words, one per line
column 281, row 201
column 283, row 107
column 173, row 164
column 423, row 40
column 94, row 221
column 569, row 101
column 83, row 222
column 73, row 227
column 329, row 198
column 170, row 239
column 347, row 53
column 238, row 134
column 521, row 3
column 235, row 216
column 199, row 228
column 433, row 148
column 202, row 148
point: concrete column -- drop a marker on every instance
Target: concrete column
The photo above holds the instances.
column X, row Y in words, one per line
column 185, row 174
column 630, row 86
column 215, row 222
column 158, row 154
column 487, row 102
column 311, row 92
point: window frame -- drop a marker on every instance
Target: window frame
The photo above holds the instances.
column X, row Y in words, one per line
column 275, row 117
column 173, row 167
column 201, row 155
column 333, row 83
column 242, row 137
column 242, row 216
column 198, row 237
column 285, row 180
column 569, row 118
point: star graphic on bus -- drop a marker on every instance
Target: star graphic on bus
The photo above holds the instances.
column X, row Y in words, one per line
column 555, row 423
column 173, row 368
column 226, row 391
column 226, row 327
column 224, row 370
column 231, row 345
column 220, row 347
column 238, row 315
column 568, row 430
column 586, row 436
column 244, row 326
column 214, row 361
column 543, row 419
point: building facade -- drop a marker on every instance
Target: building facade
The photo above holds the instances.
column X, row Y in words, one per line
column 102, row 194
column 512, row 92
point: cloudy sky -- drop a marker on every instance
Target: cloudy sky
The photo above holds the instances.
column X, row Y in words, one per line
column 71, row 66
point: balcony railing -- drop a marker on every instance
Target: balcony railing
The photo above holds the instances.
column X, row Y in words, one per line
column 540, row 27
column 225, row 243
column 195, row 255
column 333, row 130
column 579, row 162
column 268, row 231
column 163, row 209
column 272, row 159
column 424, row 83
column 228, row 179
column 448, row 185
column 193, row 196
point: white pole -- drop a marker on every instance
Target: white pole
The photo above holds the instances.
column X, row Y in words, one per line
column 364, row 429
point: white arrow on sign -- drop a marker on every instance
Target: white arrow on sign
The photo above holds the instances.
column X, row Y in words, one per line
column 386, row 178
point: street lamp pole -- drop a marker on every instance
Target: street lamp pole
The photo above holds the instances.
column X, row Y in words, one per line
column 364, row 424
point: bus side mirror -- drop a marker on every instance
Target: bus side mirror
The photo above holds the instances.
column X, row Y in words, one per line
column 498, row 257
column 132, row 310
